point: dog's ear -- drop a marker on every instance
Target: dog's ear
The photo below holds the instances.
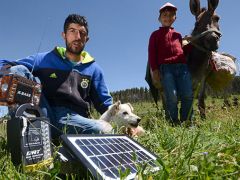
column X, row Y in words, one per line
column 115, row 108
column 131, row 107
column 112, row 111
column 117, row 105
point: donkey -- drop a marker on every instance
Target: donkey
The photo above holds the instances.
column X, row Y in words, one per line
column 205, row 39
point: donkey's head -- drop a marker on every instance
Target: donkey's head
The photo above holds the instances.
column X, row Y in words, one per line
column 206, row 26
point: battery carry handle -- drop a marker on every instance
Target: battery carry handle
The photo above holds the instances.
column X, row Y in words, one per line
column 29, row 108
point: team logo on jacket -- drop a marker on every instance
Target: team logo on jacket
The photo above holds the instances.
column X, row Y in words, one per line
column 84, row 83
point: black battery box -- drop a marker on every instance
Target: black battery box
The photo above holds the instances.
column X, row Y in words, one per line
column 28, row 138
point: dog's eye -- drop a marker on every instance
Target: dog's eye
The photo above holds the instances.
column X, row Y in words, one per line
column 125, row 113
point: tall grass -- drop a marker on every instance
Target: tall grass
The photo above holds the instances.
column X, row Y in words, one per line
column 208, row 150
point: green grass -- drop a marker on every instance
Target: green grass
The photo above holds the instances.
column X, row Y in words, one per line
column 209, row 150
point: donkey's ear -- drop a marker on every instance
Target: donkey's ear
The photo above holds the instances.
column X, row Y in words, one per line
column 212, row 5
column 195, row 7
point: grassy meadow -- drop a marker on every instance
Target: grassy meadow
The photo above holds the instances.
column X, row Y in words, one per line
column 208, row 150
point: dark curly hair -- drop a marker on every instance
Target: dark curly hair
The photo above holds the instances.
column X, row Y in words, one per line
column 77, row 19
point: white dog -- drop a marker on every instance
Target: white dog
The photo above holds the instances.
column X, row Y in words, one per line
column 122, row 116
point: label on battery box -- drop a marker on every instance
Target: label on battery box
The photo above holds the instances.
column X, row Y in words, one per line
column 32, row 137
column 35, row 142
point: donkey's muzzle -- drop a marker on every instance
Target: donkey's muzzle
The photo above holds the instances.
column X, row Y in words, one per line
column 216, row 34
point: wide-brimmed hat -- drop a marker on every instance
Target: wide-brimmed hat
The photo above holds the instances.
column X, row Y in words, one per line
column 168, row 6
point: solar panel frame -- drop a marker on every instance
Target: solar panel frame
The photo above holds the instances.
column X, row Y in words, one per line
column 95, row 159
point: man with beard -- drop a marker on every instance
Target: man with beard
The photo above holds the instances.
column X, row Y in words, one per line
column 71, row 80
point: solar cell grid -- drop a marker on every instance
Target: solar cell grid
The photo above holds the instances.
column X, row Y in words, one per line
column 101, row 149
column 108, row 154
column 125, row 146
column 93, row 141
column 98, row 162
column 113, row 160
column 105, row 161
column 87, row 151
column 120, row 148
column 78, row 142
column 119, row 159
column 85, row 142
column 98, row 148
column 107, row 148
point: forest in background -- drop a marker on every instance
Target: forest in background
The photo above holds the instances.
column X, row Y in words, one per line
column 143, row 94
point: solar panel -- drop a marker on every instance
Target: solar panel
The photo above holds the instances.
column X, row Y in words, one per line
column 105, row 156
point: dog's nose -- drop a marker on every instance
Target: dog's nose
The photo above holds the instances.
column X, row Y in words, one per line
column 138, row 120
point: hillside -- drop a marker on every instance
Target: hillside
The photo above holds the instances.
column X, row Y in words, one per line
column 207, row 150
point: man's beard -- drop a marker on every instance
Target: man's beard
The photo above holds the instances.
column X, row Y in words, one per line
column 73, row 50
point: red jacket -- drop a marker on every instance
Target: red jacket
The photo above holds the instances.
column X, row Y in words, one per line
column 165, row 47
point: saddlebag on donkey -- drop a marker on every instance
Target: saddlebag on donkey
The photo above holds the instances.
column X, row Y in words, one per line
column 223, row 70
column 28, row 138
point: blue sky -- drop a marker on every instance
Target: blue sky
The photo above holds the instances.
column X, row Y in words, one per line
column 119, row 31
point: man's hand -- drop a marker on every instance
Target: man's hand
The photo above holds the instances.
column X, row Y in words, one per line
column 155, row 75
